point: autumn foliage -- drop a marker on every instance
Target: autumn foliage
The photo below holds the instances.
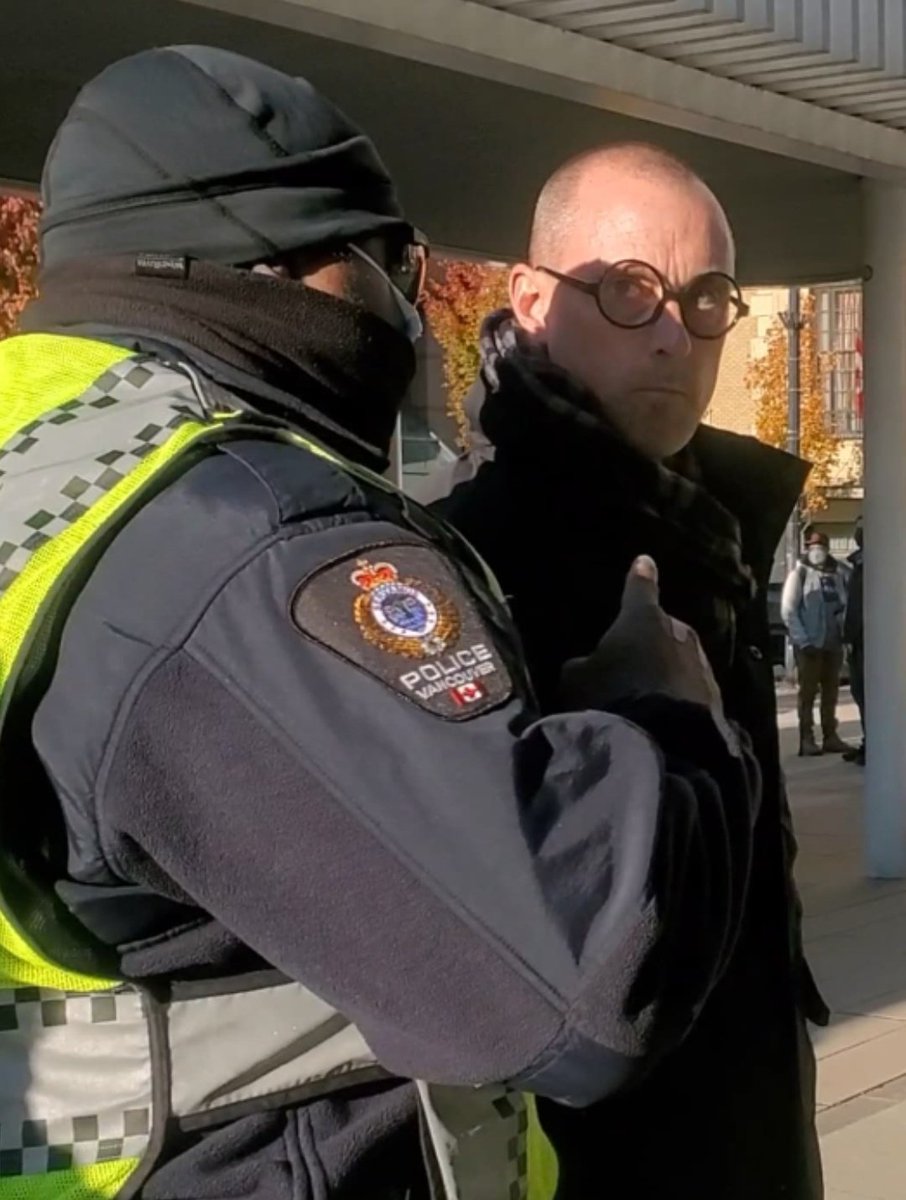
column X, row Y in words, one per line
column 459, row 298
column 767, row 377
column 18, row 258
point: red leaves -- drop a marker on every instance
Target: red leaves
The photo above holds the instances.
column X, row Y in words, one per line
column 18, row 257
column 457, row 303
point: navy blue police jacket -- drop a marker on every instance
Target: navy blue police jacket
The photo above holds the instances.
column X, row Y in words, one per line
column 243, row 770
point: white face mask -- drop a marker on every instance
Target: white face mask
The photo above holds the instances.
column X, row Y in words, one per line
column 412, row 322
column 817, row 556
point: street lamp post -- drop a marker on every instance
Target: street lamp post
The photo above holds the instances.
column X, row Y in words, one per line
column 793, row 322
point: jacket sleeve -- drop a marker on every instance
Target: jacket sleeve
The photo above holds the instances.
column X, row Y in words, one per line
column 846, row 581
column 852, row 621
column 790, row 605
column 490, row 897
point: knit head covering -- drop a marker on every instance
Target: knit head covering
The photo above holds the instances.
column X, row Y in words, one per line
column 196, row 151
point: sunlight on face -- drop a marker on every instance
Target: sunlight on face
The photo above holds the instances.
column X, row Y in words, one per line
column 653, row 383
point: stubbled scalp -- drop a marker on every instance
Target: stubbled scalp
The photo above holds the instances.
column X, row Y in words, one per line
column 558, row 208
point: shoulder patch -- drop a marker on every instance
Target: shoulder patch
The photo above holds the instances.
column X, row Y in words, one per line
column 400, row 613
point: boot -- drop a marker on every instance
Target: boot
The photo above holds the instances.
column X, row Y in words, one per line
column 808, row 747
column 834, row 744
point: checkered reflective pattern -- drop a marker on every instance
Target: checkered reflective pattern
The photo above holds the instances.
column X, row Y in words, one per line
column 513, row 1110
column 479, row 1138
column 23, row 1008
column 30, row 1145
column 131, row 409
column 36, row 1147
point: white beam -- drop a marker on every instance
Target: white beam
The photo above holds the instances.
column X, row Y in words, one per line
column 894, row 25
column 843, row 42
column 545, row 10
column 743, row 63
column 15, row 187
column 869, row 34
column 813, row 21
column 885, row 494
column 791, row 79
column 758, row 13
column 786, row 20
column 552, row 10
column 723, row 49
column 493, row 44
column 594, row 18
column 687, row 25
column 879, row 109
column 851, row 93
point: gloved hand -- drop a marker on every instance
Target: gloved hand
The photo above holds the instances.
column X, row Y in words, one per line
column 645, row 652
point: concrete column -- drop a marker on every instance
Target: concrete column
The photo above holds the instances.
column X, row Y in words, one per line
column 885, row 525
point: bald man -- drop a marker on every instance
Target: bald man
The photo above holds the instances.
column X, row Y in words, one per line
column 589, row 450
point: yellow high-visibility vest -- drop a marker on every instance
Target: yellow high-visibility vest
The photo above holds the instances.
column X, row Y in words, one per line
column 90, row 1065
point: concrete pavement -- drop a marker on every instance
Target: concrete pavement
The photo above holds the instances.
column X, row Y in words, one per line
column 855, row 932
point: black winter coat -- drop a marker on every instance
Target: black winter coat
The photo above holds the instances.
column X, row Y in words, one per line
column 730, row 1115
column 854, row 620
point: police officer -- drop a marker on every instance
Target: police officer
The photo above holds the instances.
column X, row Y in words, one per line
column 300, row 898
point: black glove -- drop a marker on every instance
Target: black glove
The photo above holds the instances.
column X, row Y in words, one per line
column 645, row 652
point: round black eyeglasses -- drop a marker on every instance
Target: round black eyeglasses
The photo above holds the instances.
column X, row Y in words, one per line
column 632, row 294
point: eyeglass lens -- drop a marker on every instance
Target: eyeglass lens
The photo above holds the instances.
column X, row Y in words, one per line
column 631, row 293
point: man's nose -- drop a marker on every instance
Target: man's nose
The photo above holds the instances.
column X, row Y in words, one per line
column 671, row 337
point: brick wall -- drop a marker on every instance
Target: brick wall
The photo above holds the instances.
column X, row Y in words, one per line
column 733, row 406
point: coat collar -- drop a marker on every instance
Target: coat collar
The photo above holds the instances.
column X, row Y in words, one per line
column 758, row 484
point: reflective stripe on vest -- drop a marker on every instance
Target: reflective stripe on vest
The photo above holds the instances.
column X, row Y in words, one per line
column 235, row 1047
column 467, row 1129
column 66, row 1129
column 87, row 432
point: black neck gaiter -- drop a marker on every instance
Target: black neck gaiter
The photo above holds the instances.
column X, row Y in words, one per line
column 539, row 417
column 322, row 361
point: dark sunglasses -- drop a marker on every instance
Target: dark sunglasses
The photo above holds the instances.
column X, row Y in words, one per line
column 632, row 294
column 407, row 264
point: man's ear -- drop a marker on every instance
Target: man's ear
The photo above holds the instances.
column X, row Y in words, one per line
column 529, row 299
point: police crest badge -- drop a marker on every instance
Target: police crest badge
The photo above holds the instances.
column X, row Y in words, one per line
column 402, row 616
column 401, row 613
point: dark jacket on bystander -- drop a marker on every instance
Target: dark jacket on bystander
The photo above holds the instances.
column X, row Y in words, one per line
column 559, row 507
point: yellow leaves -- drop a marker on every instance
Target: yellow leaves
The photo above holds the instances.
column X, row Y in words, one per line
column 767, row 377
column 456, row 305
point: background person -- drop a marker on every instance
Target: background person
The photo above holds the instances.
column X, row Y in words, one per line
column 813, row 606
column 854, row 636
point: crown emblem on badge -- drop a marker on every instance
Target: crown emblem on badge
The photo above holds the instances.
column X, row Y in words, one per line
column 368, row 576
column 402, row 616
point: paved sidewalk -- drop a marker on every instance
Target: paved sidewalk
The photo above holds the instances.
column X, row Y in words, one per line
column 855, row 931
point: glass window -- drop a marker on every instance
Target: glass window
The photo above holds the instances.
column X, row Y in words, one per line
column 839, row 333
column 842, row 547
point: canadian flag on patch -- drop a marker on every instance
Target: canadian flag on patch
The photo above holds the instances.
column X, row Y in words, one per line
column 467, row 693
